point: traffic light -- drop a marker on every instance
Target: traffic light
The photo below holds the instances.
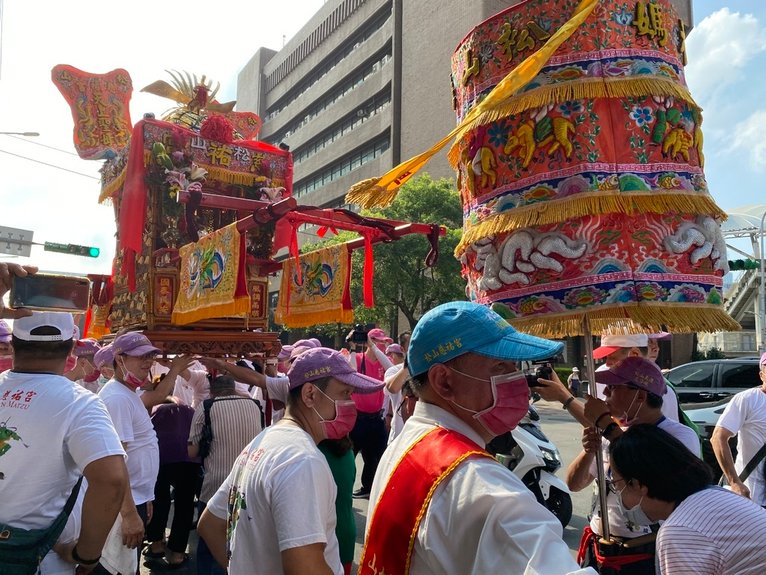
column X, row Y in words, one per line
column 87, row 251
column 748, row 264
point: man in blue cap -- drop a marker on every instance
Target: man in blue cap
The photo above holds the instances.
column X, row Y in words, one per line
column 440, row 503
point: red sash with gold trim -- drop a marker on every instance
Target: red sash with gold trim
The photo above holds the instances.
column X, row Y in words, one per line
column 406, row 496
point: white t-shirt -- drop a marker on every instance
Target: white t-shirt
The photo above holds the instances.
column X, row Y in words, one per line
column 395, row 400
column 278, row 388
column 745, row 415
column 618, row 525
column 283, row 496
column 134, row 428
column 713, row 532
column 54, row 428
column 194, row 390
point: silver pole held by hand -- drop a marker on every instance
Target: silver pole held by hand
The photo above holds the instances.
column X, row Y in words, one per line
column 590, row 367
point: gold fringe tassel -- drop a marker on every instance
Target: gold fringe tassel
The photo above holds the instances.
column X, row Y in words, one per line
column 587, row 204
column 240, row 307
column 314, row 318
column 574, row 90
column 108, row 190
column 650, row 318
column 368, row 194
column 232, row 177
column 516, row 79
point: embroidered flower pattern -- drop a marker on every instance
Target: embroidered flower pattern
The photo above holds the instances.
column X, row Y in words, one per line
column 641, row 115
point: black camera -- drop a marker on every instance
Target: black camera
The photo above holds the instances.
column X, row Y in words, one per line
column 542, row 371
column 359, row 335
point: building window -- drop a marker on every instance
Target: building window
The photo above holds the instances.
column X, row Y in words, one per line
column 342, row 166
column 323, row 68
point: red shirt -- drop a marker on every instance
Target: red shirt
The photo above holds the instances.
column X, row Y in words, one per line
column 369, row 402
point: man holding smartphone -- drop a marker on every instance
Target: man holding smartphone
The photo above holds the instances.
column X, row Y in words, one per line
column 59, row 432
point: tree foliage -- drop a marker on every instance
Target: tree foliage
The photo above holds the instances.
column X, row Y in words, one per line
column 402, row 282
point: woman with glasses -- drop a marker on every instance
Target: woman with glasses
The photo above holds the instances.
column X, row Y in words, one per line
column 706, row 530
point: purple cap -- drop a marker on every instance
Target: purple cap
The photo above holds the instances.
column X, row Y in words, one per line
column 133, row 344
column 307, row 343
column 321, row 362
column 5, row 331
column 284, row 353
column 88, row 346
column 104, row 356
column 763, row 360
column 394, row 348
column 635, row 371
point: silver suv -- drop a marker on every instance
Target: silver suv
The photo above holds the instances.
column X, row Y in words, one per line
column 714, row 379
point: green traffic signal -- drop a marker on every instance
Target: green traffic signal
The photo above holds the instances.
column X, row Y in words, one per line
column 73, row 249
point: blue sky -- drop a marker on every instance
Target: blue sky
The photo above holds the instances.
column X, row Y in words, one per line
column 727, row 56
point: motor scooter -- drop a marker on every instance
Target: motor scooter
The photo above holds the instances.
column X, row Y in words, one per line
column 528, row 453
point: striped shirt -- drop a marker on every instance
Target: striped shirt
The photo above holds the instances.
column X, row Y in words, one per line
column 713, row 532
column 235, row 421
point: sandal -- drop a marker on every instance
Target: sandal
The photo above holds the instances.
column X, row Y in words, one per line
column 149, row 554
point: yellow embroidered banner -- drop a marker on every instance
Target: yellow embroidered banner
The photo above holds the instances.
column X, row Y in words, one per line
column 320, row 292
column 212, row 278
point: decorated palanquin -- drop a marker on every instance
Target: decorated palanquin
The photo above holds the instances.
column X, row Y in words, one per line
column 201, row 209
column 168, row 161
column 584, row 192
column 173, row 257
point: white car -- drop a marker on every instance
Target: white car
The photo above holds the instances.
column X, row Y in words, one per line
column 705, row 416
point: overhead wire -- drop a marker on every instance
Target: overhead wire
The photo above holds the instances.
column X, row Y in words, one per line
column 51, row 165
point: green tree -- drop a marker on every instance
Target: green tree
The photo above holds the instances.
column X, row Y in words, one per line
column 402, row 282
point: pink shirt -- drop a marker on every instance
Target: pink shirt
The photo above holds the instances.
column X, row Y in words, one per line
column 369, row 402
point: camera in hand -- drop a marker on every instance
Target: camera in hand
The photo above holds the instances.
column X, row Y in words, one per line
column 542, row 371
column 359, row 335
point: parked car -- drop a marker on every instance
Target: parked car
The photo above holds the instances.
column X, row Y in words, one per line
column 714, row 379
column 706, row 416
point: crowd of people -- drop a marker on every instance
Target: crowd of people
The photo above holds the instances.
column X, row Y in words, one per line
column 98, row 443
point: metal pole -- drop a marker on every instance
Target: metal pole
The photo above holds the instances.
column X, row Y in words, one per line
column 762, row 293
column 590, row 367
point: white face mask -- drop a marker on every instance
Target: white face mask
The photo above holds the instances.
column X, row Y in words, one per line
column 625, row 419
column 635, row 516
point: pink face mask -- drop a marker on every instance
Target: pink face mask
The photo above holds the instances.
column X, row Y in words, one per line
column 344, row 420
column 71, row 363
column 131, row 379
column 511, row 402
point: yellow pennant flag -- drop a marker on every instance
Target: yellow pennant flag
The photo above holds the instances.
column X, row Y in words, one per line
column 380, row 192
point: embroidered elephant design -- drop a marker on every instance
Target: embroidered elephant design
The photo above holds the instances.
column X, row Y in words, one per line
column 705, row 234
column 520, row 255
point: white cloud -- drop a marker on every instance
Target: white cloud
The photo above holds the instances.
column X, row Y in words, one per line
column 748, row 139
column 719, row 49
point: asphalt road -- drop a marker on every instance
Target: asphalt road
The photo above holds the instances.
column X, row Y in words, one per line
column 557, row 424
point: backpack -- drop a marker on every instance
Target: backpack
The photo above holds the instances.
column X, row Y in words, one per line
column 22, row 550
column 206, row 435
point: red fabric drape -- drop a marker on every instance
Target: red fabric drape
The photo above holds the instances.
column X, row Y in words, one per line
column 133, row 207
column 369, row 269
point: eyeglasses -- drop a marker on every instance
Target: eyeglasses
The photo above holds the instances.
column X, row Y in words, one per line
column 611, row 483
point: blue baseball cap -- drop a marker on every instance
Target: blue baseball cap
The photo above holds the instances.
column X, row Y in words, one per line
column 452, row 329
